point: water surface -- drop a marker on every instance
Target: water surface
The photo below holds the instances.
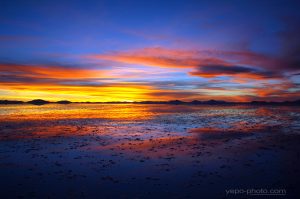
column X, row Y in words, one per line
column 146, row 151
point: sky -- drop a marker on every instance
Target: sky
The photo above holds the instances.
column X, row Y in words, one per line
column 94, row 50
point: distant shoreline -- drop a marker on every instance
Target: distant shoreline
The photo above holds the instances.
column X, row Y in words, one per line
column 172, row 102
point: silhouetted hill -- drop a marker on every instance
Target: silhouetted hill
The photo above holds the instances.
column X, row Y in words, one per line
column 10, row 102
column 197, row 102
column 211, row 102
column 151, row 102
column 63, row 102
column 176, row 102
column 38, row 102
column 285, row 103
column 172, row 102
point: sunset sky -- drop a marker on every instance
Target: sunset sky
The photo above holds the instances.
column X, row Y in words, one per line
column 150, row 50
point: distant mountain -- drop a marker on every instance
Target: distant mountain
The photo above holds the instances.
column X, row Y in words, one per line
column 172, row 102
column 285, row 103
column 63, row 102
column 38, row 102
column 197, row 102
column 10, row 102
column 176, row 102
column 211, row 102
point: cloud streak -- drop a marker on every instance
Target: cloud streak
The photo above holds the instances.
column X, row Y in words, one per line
column 210, row 71
column 57, row 72
column 201, row 63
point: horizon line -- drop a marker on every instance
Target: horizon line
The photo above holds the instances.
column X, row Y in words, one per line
column 150, row 101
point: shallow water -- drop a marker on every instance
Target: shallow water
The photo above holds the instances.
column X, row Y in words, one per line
column 146, row 151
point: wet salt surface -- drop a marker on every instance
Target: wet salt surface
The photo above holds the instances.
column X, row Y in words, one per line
column 146, row 151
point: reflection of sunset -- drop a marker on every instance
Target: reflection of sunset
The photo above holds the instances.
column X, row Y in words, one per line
column 77, row 111
column 137, row 142
column 122, row 120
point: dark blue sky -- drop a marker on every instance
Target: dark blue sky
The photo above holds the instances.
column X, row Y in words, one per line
column 188, row 48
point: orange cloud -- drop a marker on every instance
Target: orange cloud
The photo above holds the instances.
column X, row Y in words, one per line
column 56, row 72
column 207, row 64
column 276, row 90
column 160, row 57
column 128, row 83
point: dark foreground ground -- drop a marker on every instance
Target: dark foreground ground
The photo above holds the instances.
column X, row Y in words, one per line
column 149, row 151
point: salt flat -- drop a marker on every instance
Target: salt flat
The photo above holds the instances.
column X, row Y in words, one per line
column 147, row 151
